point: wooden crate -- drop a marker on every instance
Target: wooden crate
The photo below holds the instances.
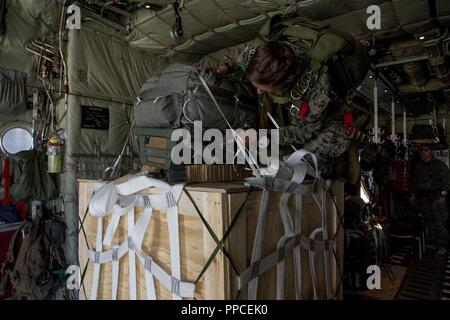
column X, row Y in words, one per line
column 219, row 204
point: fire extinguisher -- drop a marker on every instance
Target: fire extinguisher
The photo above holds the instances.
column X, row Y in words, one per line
column 55, row 149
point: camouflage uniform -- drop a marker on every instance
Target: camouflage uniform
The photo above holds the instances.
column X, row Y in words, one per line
column 319, row 129
column 428, row 180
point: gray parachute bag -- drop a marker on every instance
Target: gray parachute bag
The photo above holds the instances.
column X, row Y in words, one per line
column 175, row 97
column 12, row 91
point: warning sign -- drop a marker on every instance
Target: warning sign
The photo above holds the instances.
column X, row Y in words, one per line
column 94, row 118
column 442, row 155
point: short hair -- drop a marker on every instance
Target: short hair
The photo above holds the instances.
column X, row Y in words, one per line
column 273, row 63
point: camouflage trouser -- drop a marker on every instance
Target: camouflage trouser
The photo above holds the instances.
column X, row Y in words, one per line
column 435, row 219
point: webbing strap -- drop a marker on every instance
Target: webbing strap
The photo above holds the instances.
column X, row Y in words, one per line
column 131, row 255
column 288, row 233
column 173, row 284
column 115, row 272
column 174, row 232
column 117, row 252
column 118, row 211
column 261, row 266
column 141, row 182
column 138, row 236
column 98, row 248
column 142, row 223
column 326, row 253
column 312, row 268
column 151, row 267
column 149, row 282
column 312, row 265
column 297, row 253
column 299, row 172
column 103, row 199
column 299, row 168
column 257, row 244
column 114, row 194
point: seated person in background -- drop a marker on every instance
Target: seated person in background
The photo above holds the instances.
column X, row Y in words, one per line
column 430, row 184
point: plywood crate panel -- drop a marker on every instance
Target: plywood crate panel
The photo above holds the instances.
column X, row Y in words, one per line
column 218, row 203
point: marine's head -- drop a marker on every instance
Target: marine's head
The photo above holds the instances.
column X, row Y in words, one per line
column 273, row 67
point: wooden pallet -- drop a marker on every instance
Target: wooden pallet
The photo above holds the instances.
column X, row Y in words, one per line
column 219, row 204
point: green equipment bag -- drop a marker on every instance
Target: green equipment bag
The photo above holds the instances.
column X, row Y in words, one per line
column 31, row 272
column 175, row 97
column 31, row 179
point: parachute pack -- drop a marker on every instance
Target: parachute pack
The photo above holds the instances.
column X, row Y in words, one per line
column 176, row 97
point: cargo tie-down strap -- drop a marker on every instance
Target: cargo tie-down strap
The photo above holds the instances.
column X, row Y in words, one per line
column 289, row 181
column 122, row 197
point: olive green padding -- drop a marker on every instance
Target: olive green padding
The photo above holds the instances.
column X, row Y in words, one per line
column 31, row 179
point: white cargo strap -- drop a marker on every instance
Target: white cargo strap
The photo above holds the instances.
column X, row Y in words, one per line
column 113, row 255
column 103, row 199
column 312, row 266
column 297, row 253
column 298, row 166
column 108, row 256
column 292, row 238
column 98, row 241
column 184, row 289
column 98, row 250
column 118, row 212
column 149, row 282
column 123, row 193
column 138, row 236
column 141, row 182
column 115, row 272
column 294, row 158
column 257, row 244
column 260, row 266
column 325, row 237
column 168, row 200
column 326, row 253
column 131, row 255
column 271, row 260
column 174, row 235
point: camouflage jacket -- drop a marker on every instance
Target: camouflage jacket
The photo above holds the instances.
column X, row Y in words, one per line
column 306, row 115
column 429, row 178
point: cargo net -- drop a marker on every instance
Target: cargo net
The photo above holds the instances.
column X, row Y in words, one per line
column 122, row 196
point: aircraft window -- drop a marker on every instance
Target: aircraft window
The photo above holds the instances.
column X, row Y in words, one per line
column 15, row 138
